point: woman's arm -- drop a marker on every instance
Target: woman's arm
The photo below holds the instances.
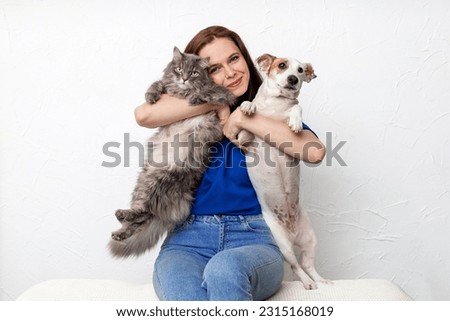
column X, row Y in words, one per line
column 169, row 109
column 304, row 145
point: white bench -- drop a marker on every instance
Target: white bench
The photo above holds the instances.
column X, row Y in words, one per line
column 113, row 290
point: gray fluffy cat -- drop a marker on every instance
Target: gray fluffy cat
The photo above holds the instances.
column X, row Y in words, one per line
column 179, row 155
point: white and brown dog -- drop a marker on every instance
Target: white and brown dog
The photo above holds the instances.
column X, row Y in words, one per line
column 275, row 175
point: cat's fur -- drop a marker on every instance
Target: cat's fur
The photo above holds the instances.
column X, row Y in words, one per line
column 165, row 187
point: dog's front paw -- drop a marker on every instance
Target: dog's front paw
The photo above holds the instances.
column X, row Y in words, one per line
column 295, row 119
column 248, row 108
column 295, row 124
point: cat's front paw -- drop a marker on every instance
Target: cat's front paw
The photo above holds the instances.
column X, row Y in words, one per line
column 229, row 98
column 248, row 108
column 195, row 100
column 152, row 97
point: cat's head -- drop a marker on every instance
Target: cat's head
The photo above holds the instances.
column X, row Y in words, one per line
column 187, row 69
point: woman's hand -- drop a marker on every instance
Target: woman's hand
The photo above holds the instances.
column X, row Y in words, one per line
column 304, row 145
column 233, row 125
column 223, row 112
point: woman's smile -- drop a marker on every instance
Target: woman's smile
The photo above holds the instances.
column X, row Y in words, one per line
column 235, row 83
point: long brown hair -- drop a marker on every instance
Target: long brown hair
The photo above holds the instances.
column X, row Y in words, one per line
column 207, row 35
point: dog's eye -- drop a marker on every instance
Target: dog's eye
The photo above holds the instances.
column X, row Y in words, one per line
column 282, row 66
column 300, row 70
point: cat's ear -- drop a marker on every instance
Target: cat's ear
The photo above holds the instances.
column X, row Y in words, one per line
column 204, row 63
column 177, row 55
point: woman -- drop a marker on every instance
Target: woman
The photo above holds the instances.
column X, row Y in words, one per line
column 224, row 250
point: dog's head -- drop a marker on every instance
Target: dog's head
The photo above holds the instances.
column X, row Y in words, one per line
column 285, row 74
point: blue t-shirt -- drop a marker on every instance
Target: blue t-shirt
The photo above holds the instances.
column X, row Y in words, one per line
column 225, row 187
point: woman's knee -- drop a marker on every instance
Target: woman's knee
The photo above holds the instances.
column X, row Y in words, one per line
column 225, row 267
column 178, row 276
column 251, row 273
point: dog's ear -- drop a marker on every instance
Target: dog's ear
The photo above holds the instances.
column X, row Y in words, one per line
column 309, row 72
column 264, row 62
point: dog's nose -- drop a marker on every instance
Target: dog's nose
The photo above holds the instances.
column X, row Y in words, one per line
column 292, row 80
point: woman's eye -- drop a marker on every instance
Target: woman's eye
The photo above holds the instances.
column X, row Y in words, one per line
column 194, row 73
column 282, row 66
column 178, row 70
column 213, row 70
column 234, row 58
column 300, row 70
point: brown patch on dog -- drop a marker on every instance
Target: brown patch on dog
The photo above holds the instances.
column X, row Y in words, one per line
column 309, row 72
column 275, row 67
column 288, row 222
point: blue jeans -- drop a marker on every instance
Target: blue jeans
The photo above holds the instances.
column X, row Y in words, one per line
column 219, row 257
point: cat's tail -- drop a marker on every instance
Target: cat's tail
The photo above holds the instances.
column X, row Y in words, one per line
column 142, row 240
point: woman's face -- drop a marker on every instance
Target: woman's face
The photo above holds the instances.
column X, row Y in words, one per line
column 227, row 65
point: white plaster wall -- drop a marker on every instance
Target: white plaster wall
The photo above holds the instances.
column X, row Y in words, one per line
column 71, row 73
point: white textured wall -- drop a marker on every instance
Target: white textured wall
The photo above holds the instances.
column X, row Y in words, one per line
column 73, row 71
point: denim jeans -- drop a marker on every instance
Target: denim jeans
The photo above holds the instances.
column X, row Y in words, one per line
column 219, row 257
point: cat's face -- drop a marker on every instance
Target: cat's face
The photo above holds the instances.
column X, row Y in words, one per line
column 227, row 66
column 187, row 69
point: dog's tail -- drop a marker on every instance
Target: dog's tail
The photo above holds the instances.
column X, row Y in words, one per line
column 142, row 240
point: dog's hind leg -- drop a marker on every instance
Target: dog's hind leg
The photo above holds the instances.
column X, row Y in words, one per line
column 287, row 249
column 306, row 241
column 291, row 258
